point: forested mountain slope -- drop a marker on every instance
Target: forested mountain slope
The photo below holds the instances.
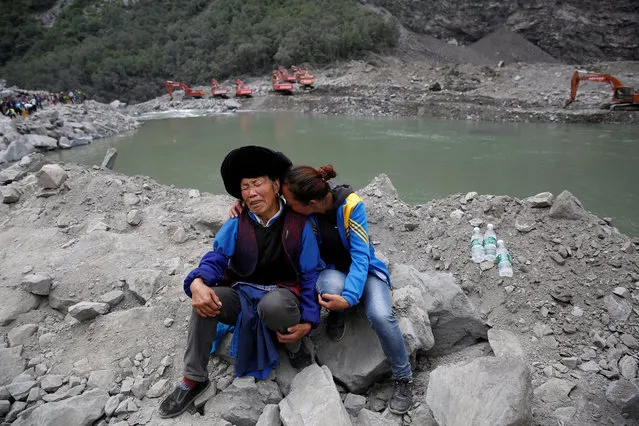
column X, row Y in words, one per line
column 126, row 48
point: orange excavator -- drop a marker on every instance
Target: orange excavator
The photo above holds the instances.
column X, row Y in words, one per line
column 188, row 92
column 217, row 91
column 304, row 78
column 280, row 84
column 286, row 76
column 624, row 98
column 241, row 91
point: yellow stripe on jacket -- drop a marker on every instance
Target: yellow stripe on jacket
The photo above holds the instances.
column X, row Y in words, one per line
column 351, row 201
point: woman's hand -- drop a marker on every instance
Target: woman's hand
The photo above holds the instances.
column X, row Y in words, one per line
column 333, row 302
column 295, row 333
column 236, row 209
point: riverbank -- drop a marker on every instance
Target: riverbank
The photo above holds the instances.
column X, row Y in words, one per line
column 61, row 126
column 95, row 317
column 380, row 86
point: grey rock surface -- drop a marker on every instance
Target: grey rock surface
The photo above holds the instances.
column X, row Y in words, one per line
column 454, row 320
column 313, row 399
column 79, row 410
column 487, row 391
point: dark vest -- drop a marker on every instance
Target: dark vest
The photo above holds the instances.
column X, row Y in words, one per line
column 267, row 256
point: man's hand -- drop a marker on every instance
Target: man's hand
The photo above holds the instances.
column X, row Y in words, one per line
column 295, row 333
column 235, row 209
column 204, row 300
column 333, row 302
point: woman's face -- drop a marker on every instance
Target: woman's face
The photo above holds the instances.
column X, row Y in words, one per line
column 296, row 205
column 259, row 194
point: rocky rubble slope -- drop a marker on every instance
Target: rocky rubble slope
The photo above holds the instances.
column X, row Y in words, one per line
column 574, row 31
column 60, row 127
column 94, row 320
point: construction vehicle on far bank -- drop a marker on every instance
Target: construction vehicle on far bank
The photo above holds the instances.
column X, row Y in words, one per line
column 624, row 98
column 304, row 78
column 188, row 92
column 241, row 91
column 286, row 77
column 280, row 83
column 217, row 91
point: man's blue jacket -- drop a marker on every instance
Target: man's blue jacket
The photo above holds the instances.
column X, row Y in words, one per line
column 215, row 262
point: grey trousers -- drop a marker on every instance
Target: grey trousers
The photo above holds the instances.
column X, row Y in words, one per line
column 278, row 309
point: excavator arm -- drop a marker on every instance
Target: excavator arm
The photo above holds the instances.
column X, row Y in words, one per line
column 580, row 76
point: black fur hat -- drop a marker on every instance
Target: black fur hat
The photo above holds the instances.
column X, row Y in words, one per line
column 249, row 162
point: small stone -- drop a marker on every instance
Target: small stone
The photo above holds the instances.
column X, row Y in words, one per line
column 194, row 193
column 486, row 265
column 51, row 176
column 569, row 328
column 577, row 311
column 476, row 222
column 570, row 362
column 629, row 341
column 557, row 258
column 9, row 195
column 524, row 227
column 509, row 289
column 168, row 322
column 543, row 199
column 134, row 217
column 590, row 367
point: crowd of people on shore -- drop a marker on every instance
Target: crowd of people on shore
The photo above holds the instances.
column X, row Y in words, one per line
column 26, row 104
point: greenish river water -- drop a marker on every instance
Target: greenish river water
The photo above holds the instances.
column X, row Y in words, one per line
column 425, row 159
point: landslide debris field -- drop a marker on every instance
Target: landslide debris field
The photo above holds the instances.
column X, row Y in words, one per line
column 95, row 317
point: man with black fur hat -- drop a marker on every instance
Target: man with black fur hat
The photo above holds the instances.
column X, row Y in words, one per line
column 264, row 265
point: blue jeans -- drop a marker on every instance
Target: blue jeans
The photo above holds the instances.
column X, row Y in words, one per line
column 377, row 301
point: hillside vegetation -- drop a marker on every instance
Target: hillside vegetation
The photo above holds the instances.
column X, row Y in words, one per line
column 126, row 51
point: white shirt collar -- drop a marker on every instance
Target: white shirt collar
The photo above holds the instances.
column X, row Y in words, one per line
column 257, row 219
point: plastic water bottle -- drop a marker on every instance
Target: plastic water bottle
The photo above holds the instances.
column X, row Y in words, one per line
column 490, row 244
column 477, row 246
column 503, row 260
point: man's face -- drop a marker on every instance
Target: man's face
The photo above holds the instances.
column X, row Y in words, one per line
column 259, row 194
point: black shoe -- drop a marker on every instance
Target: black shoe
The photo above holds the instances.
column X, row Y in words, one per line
column 301, row 359
column 335, row 325
column 180, row 399
column 402, row 398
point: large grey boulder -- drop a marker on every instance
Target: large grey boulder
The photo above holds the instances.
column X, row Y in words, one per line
column 51, row 176
column 240, row 403
column 37, row 284
column 109, row 158
column 20, row 335
column 79, row 410
column 357, row 360
column 624, row 394
column 17, row 149
column 12, row 364
column 505, row 343
column 412, row 319
column 14, row 303
column 454, row 320
column 567, row 206
column 486, row 391
column 84, row 311
column 42, row 142
column 142, row 283
column 313, row 400
column 9, row 195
